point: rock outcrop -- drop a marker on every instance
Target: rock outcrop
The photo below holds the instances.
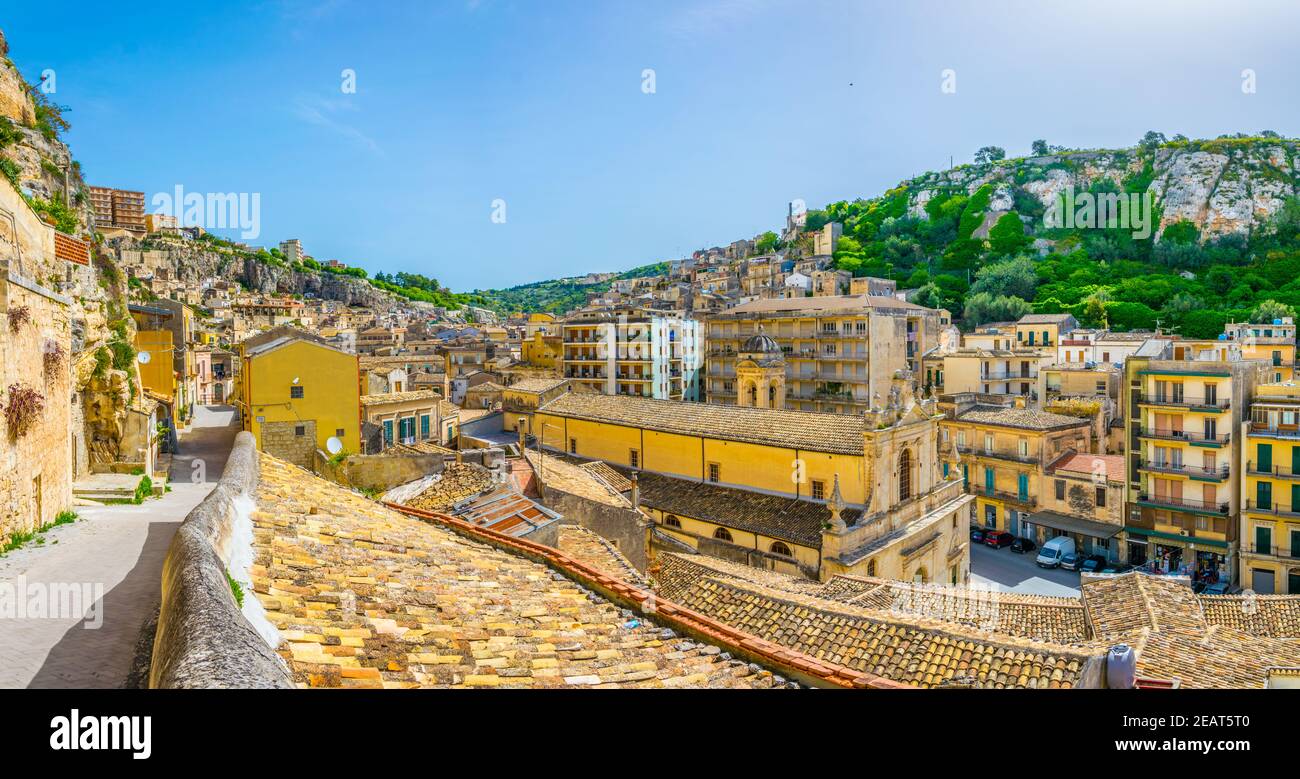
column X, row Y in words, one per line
column 1222, row 187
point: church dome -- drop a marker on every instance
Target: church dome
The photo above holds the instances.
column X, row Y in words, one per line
column 760, row 344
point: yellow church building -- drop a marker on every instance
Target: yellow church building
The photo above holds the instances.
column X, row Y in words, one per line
column 792, row 491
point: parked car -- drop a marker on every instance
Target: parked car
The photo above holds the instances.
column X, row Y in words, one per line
column 997, row 540
column 1093, row 564
column 1071, row 561
column 1054, row 551
column 976, row 535
column 1218, row 588
column 1022, row 545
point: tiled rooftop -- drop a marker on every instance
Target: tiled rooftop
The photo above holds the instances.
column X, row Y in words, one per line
column 902, row 648
column 386, row 398
column 366, row 597
column 536, row 385
column 589, row 547
column 779, row 516
column 1270, row 616
column 1020, row 418
column 924, row 635
column 835, row 433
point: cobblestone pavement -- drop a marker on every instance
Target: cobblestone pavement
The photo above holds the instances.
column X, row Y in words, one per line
column 113, row 555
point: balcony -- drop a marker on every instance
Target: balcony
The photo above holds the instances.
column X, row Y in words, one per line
column 1255, row 550
column 1180, row 503
column 1264, row 431
column 1008, row 375
column 1029, row 501
column 1272, row 507
column 996, row 454
column 1198, row 439
column 1218, row 473
column 1282, row 471
column 1210, row 404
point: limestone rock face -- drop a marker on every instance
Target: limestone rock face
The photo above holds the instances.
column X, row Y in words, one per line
column 1223, row 188
column 15, row 103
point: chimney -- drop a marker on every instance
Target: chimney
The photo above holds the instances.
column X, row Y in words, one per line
column 636, row 492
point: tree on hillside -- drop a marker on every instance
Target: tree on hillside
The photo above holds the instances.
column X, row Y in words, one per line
column 1096, row 307
column 929, row 296
column 1151, row 140
column 982, row 307
column 989, row 154
column 1015, row 277
column 1008, row 235
column 1269, row 310
column 1040, row 148
column 767, row 242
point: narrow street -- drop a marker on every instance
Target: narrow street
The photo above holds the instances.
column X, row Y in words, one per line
column 115, row 550
column 1006, row 571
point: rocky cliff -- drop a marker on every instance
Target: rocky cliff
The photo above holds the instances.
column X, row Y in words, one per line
column 1222, row 187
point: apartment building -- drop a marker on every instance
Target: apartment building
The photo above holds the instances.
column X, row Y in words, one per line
column 1043, row 331
column 292, row 250
column 1083, row 498
column 841, row 352
column 1005, row 452
column 989, row 371
column 1101, row 346
column 1185, row 400
column 1270, row 519
column 634, row 352
column 1273, row 341
column 118, row 208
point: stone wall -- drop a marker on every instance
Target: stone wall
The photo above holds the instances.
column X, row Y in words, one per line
column 280, row 439
column 203, row 639
column 378, row 471
column 35, row 463
column 625, row 527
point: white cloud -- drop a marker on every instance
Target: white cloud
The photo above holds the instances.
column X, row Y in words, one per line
column 322, row 112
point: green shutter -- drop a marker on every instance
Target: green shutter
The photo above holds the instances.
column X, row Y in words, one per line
column 1264, row 455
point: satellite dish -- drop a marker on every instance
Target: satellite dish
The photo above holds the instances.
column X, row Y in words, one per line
column 334, row 445
column 143, row 358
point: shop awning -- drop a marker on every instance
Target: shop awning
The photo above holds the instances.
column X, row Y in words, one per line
column 1191, row 540
column 1068, row 524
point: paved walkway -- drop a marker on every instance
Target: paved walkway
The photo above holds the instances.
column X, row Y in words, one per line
column 1006, row 571
column 115, row 555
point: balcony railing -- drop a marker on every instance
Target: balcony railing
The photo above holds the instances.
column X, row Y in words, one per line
column 1286, row 472
column 1184, row 435
column 1008, row 375
column 1013, row 497
column 1270, row 551
column 1199, row 471
column 1272, row 507
column 1178, row 501
column 1274, row 432
column 1156, row 399
column 996, row 454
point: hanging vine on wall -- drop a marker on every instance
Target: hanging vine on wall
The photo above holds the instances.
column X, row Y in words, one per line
column 19, row 316
column 22, row 408
column 54, row 358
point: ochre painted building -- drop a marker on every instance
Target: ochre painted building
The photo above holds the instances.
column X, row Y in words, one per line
column 799, row 492
column 297, row 394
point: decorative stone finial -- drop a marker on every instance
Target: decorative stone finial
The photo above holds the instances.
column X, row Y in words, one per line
column 836, row 505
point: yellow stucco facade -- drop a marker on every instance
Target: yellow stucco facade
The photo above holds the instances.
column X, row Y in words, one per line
column 1270, row 521
column 296, row 394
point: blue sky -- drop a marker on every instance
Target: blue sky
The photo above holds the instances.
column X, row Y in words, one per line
column 540, row 104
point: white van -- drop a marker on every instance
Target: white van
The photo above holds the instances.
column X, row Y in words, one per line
column 1052, row 552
